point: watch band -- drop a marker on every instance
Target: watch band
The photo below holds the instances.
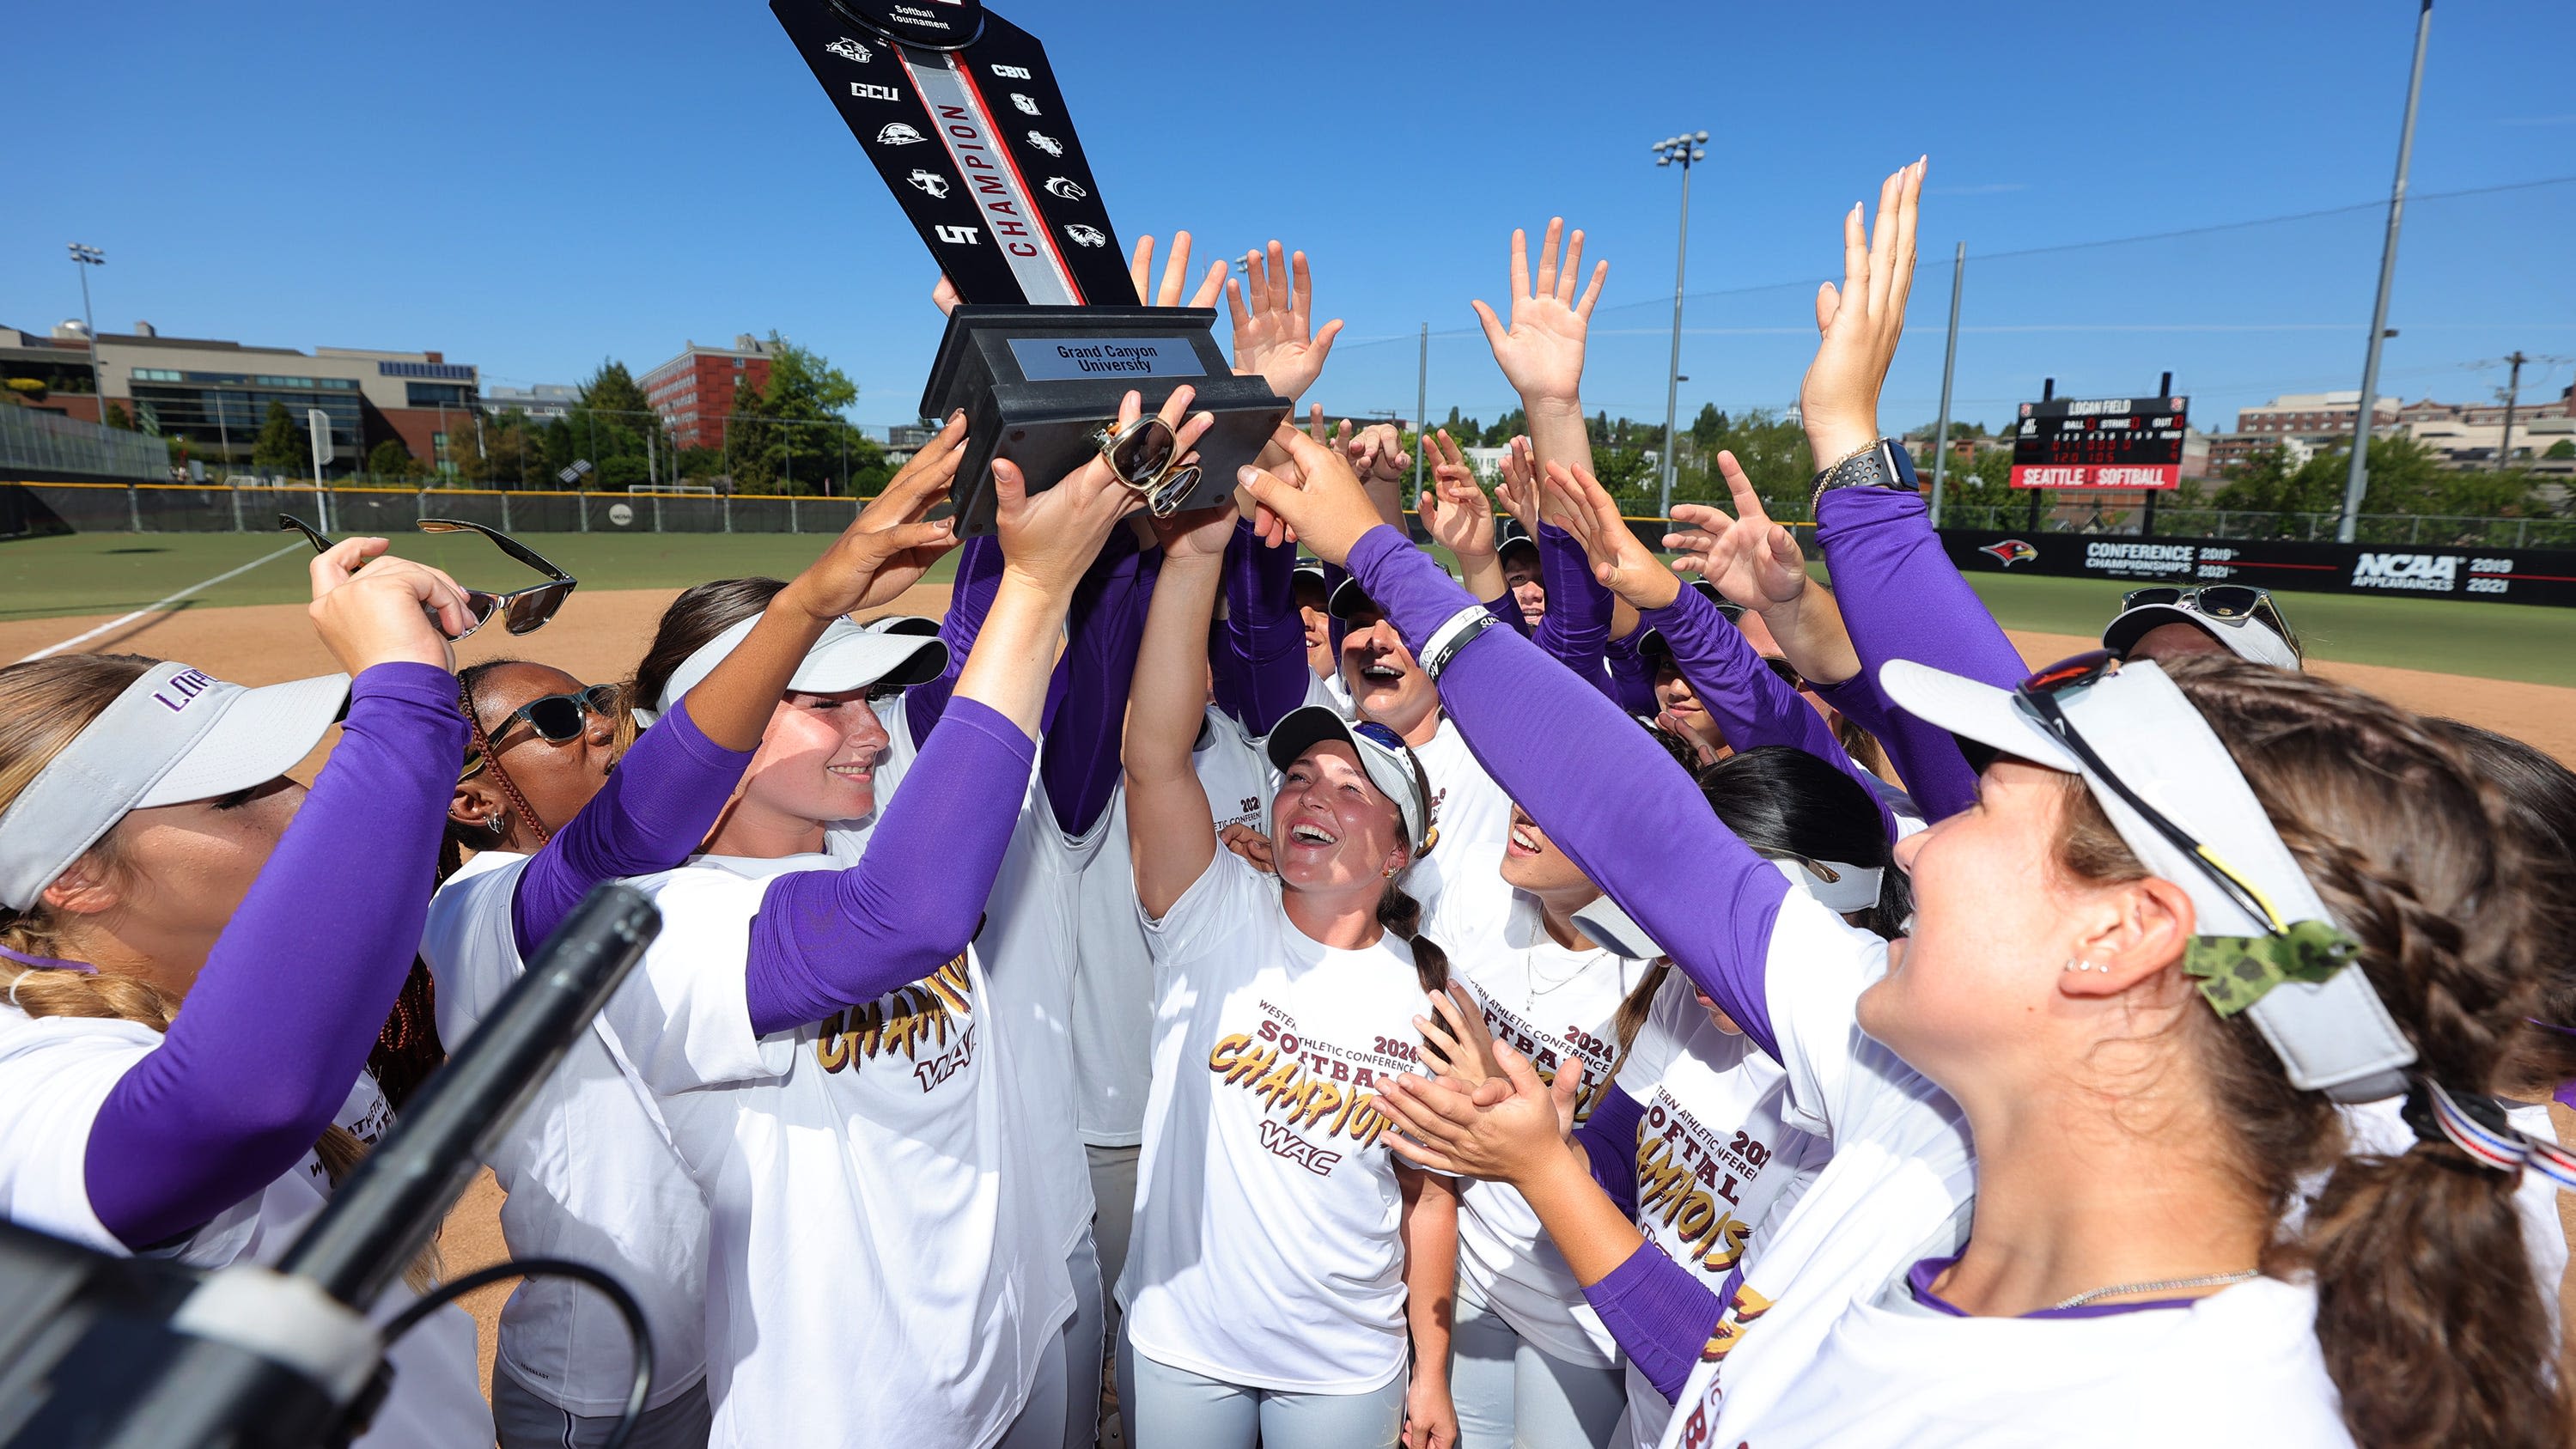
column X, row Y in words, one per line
column 1454, row 635
column 1883, row 464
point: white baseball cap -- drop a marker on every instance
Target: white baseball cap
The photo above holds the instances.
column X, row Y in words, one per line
column 175, row 734
column 848, row 656
column 1389, row 762
column 2333, row 1036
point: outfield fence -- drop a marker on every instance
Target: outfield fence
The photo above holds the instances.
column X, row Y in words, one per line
column 2232, row 523
column 46, row 507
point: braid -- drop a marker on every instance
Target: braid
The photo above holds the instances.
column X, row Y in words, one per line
column 492, row 762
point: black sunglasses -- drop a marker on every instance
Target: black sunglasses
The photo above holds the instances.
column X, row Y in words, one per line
column 555, row 718
column 522, row 611
column 2039, row 693
column 2220, row 601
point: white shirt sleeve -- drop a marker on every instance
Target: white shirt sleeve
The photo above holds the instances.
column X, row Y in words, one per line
column 1813, row 977
column 689, row 1025
column 1226, row 896
column 55, row 1074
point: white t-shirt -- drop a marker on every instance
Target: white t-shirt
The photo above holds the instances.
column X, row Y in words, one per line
column 1266, row 1249
column 1471, row 811
column 1550, row 1004
column 2239, row 1367
column 869, row 1281
column 55, row 1074
column 2379, row 1127
column 590, row 1174
column 1113, row 989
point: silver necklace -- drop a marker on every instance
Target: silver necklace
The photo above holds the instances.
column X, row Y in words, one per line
column 2206, row 1280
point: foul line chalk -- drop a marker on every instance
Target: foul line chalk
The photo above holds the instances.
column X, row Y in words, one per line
column 114, row 624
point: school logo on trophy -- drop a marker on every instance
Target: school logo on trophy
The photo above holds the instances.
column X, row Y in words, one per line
column 1050, row 334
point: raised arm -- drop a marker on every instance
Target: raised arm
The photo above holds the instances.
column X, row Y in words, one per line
column 1078, row 763
column 1541, row 348
column 828, row 939
column 290, row 999
column 665, row 794
column 970, row 596
column 1170, row 841
column 1460, row 518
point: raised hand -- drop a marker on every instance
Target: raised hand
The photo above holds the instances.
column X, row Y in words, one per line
column 892, row 542
column 1377, row 454
column 1176, row 275
column 389, row 611
column 1049, row 538
column 1518, row 491
column 1274, row 333
column 1577, row 503
column 1541, row 351
column 943, row 295
column 1195, row 532
column 1860, row 324
column 1456, row 1045
column 1752, row 560
column 1455, row 510
column 1249, row 843
column 1314, row 497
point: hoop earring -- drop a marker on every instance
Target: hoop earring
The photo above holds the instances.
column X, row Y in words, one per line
column 495, row 823
column 14, row 983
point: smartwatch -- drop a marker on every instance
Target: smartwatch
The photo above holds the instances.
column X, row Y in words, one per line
column 1883, row 464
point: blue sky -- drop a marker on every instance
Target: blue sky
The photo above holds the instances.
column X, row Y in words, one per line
column 535, row 187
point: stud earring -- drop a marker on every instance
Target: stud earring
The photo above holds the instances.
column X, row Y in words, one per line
column 2082, row 966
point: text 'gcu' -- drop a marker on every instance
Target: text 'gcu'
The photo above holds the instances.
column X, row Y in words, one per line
column 925, row 1014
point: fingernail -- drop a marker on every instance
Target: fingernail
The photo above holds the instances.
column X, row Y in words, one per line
column 1245, row 474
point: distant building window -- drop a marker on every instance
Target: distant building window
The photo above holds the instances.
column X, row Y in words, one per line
column 440, row 371
column 155, row 374
column 435, row 394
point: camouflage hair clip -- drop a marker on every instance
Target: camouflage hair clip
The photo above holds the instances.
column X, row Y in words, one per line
column 2237, row 971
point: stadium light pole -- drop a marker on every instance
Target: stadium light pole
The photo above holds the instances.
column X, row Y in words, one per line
column 1685, row 148
column 2357, row 481
column 1949, row 368
column 84, row 258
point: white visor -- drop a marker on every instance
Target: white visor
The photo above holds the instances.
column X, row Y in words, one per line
column 2336, row 1036
column 176, row 734
column 2246, row 638
column 848, row 656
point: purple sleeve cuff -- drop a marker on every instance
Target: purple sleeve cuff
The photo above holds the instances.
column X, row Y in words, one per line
column 1660, row 1313
column 281, row 1018
column 1901, row 596
column 970, row 598
column 1752, row 706
column 827, row 939
column 1926, row 757
column 1260, row 657
column 655, row 808
column 1624, row 811
column 1609, row 1139
column 1576, row 626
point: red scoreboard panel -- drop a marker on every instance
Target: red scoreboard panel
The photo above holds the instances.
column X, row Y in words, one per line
column 2111, row 442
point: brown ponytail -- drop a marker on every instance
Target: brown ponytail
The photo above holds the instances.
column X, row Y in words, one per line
column 1401, row 915
column 2428, row 1316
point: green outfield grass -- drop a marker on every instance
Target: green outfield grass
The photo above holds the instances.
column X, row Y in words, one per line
column 2490, row 641
column 110, row 573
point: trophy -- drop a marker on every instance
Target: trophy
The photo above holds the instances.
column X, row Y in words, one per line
column 961, row 114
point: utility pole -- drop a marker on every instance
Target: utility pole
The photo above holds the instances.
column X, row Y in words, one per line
column 2357, row 481
column 2512, row 390
column 1949, row 367
column 1685, row 148
column 1421, row 412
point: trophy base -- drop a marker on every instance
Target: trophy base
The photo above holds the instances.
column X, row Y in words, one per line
column 1037, row 383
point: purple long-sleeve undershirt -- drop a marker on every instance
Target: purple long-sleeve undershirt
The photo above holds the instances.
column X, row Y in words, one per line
column 280, row 1019
column 649, row 816
column 1927, row 759
column 1661, row 1314
column 1902, row 598
column 1576, row 626
column 1632, row 683
column 970, row 597
column 1259, row 650
column 1605, row 792
column 1609, row 1141
column 1079, row 762
column 829, row 939
column 1751, row 705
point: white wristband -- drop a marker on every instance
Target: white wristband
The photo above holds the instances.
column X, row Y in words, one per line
column 1453, row 636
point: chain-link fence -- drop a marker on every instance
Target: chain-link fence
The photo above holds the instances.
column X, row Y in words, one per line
column 179, row 508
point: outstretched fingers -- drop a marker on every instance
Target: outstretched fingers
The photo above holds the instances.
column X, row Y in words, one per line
column 1545, row 285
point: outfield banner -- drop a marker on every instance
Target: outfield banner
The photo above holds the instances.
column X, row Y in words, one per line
column 2504, row 576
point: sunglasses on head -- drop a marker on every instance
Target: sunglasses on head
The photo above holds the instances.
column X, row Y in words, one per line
column 2219, row 601
column 1146, row 456
column 555, row 718
column 522, row 611
column 2039, row 694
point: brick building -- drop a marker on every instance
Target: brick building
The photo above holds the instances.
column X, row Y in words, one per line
column 695, row 391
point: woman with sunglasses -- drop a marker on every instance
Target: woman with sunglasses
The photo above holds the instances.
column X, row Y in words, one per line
column 551, row 808
column 1684, row 1123
column 199, row 952
column 2190, row 912
column 820, row 1040
column 1281, row 1260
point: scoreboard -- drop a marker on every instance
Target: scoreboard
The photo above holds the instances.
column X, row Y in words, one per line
column 2112, row 442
